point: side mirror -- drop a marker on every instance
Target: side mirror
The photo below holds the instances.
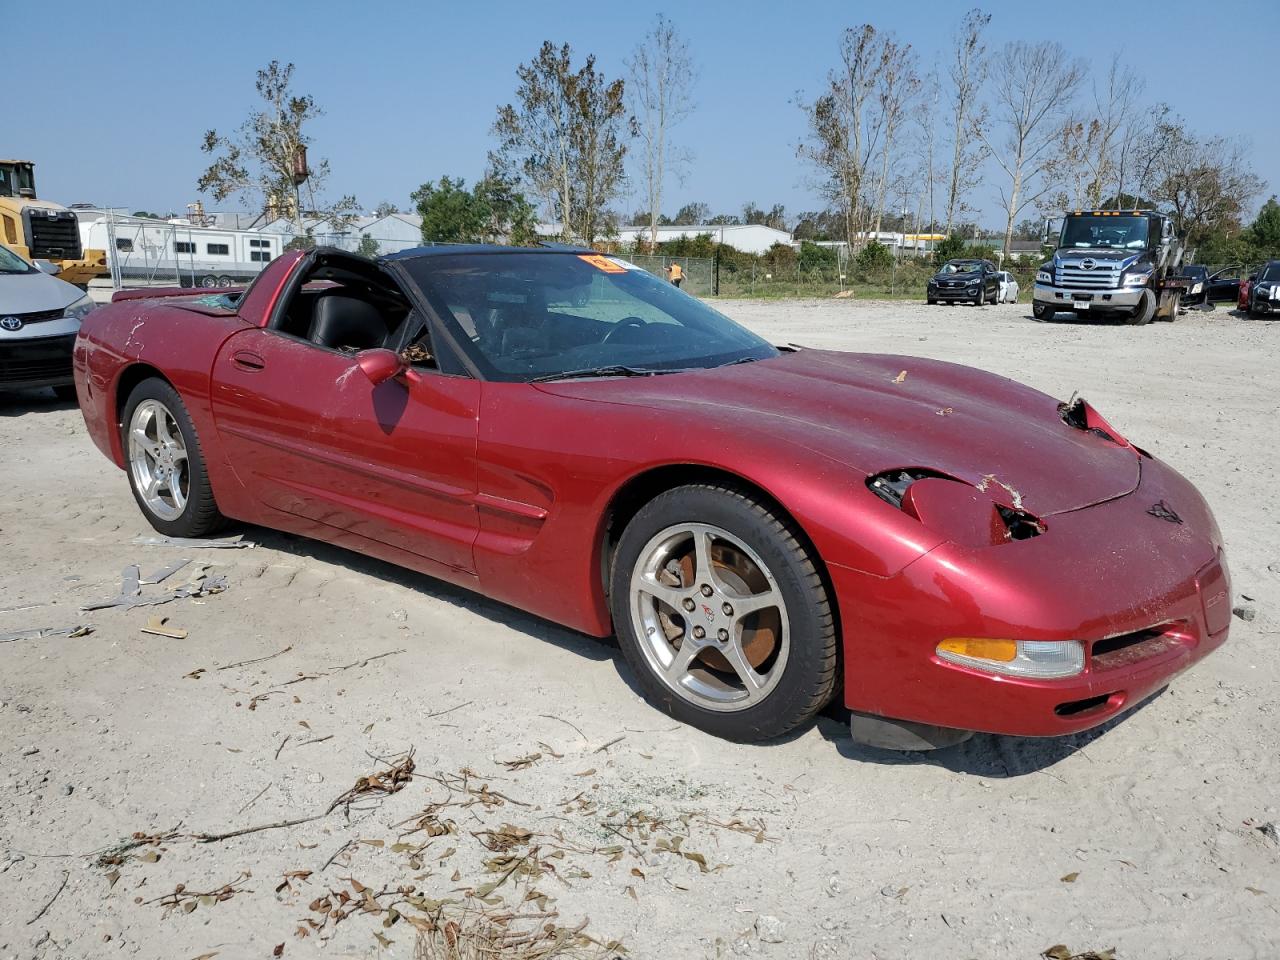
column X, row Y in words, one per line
column 46, row 266
column 380, row 365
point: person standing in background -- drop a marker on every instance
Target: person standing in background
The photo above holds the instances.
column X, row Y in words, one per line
column 675, row 274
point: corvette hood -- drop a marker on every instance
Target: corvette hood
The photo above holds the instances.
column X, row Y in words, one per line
column 875, row 412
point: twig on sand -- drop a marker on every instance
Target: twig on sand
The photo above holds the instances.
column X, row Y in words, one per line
column 66, row 875
column 361, row 663
column 215, row 837
column 245, row 663
column 549, row 716
column 336, row 854
column 255, row 799
column 441, row 713
column 606, row 746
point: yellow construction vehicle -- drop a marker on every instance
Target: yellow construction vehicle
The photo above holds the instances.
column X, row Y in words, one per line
column 40, row 230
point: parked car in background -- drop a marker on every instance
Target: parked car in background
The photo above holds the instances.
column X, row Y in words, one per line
column 39, row 319
column 1224, row 284
column 1008, row 287
column 1264, row 292
column 968, row 280
column 1198, row 290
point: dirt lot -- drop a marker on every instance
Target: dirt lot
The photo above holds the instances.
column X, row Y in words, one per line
column 1144, row 837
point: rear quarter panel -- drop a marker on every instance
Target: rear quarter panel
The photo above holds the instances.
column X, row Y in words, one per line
column 119, row 339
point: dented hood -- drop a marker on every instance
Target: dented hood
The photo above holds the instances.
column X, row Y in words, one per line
column 877, row 412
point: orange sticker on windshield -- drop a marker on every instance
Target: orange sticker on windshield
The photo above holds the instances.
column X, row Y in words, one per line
column 601, row 263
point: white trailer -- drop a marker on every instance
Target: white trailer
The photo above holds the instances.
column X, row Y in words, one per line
column 148, row 251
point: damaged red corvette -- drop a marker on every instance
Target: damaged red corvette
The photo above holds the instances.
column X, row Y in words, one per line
column 760, row 526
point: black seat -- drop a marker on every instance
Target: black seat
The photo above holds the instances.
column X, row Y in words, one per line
column 346, row 323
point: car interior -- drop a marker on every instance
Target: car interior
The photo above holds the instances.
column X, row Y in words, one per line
column 347, row 304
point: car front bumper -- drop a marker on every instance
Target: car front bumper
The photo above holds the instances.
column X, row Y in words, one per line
column 1146, row 597
column 28, row 362
column 1061, row 298
column 961, row 294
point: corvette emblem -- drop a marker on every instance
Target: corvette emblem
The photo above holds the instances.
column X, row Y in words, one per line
column 11, row 323
column 1162, row 511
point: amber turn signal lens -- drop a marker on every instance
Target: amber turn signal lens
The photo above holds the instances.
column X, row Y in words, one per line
column 980, row 648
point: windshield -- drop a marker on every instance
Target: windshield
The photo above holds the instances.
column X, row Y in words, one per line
column 10, row 262
column 1270, row 272
column 960, row 266
column 1121, row 233
column 534, row 315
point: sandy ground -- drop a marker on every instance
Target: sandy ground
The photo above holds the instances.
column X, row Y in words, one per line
column 1143, row 837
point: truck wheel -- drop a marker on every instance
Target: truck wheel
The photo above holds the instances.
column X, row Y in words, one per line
column 1042, row 311
column 1144, row 311
column 209, row 282
column 224, row 282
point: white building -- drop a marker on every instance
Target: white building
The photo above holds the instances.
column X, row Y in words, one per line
column 749, row 238
column 392, row 233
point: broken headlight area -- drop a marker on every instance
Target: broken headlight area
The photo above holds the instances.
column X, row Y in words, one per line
column 1033, row 659
column 959, row 511
column 1077, row 413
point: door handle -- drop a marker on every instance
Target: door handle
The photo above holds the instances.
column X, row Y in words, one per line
column 247, row 360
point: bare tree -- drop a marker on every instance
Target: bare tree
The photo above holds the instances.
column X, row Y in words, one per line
column 1123, row 119
column 923, row 116
column 565, row 140
column 1033, row 86
column 1206, row 184
column 897, row 86
column 662, row 74
column 967, row 72
column 843, row 131
column 267, row 156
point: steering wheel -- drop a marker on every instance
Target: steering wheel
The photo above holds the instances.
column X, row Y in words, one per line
column 623, row 324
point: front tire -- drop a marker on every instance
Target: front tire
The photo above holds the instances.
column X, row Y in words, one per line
column 1144, row 311
column 722, row 613
column 165, row 463
column 982, row 298
column 1042, row 311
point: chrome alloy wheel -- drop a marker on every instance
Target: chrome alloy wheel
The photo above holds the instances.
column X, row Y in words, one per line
column 710, row 617
column 158, row 460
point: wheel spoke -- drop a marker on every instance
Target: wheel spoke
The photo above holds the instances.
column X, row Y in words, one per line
column 753, row 681
column 153, row 487
column 680, row 662
column 659, row 591
column 162, row 428
column 745, row 606
column 139, row 436
column 175, row 490
column 702, row 570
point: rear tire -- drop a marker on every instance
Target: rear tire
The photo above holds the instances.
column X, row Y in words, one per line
column 745, row 677
column 165, row 463
column 1144, row 311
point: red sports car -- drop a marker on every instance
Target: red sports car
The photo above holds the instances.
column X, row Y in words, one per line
column 760, row 526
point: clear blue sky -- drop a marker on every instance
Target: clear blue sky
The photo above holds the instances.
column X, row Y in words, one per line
column 111, row 100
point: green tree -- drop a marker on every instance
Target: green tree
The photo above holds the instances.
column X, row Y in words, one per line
column 1264, row 233
column 875, row 255
column 691, row 214
column 949, row 249
column 493, row 211
column 385, row 209
column 368, row 246
column 450, row 212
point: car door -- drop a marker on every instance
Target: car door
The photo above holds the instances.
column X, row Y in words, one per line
column 1225, row 284
column 309, row 435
